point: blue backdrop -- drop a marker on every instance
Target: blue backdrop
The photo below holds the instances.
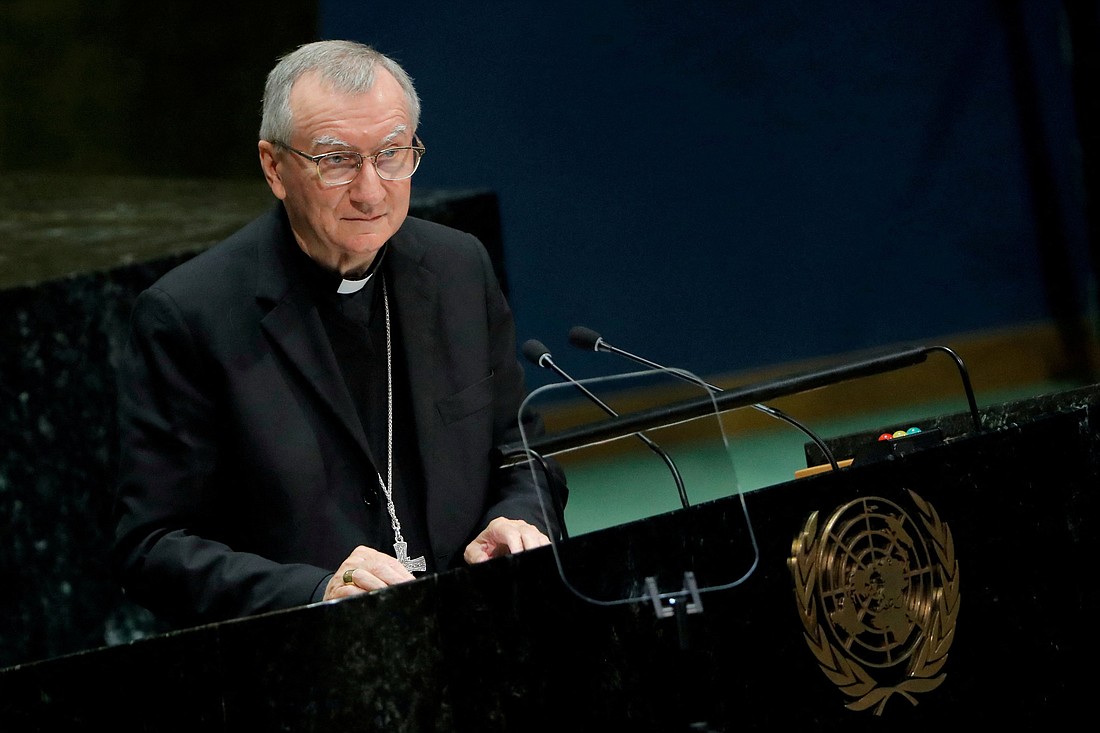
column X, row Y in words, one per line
column 727, row 185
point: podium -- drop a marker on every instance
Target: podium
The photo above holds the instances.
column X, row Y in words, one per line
column 1010, row 512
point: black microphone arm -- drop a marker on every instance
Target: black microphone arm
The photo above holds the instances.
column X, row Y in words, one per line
column 513, row 454
column 586, row 338
column 539, row 355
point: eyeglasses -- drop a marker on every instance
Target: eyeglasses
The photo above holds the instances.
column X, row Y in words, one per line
column 341, row 167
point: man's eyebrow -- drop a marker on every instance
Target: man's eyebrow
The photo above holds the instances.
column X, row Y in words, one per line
column 397, row 131
column 331, row 140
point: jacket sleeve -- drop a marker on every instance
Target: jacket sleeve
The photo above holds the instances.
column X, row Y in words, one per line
column 169, row 426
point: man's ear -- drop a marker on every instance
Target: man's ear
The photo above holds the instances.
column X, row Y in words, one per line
column 270, row 163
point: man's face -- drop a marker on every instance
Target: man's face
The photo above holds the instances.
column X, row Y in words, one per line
column 342, row 227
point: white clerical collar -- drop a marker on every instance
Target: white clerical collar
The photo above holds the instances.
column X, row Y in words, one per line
column 347, row 287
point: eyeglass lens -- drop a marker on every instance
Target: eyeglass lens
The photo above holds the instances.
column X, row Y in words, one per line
column 392, row 164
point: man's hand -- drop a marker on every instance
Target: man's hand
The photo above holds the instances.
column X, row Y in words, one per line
column 367, row 569
column 504, row 537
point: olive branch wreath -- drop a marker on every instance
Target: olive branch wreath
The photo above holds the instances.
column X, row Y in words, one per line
column 931, row 654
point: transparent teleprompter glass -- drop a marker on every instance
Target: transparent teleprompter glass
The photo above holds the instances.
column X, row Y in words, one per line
column 632, row 448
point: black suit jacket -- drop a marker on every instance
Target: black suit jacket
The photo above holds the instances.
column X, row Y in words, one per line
column 243, row 460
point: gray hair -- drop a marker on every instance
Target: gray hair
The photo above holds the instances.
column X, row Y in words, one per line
column 347, row 65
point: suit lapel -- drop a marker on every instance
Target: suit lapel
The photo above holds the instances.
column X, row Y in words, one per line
column 415, row 297
column 295, row 327
column 416, row 305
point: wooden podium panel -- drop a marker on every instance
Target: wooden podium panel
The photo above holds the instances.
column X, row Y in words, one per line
column 506, row 646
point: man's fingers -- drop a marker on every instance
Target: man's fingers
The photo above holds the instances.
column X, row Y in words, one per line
column 366, row 569
column 534, row 539
column 504, row 536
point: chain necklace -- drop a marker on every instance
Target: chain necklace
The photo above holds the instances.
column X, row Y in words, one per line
column 400, row 547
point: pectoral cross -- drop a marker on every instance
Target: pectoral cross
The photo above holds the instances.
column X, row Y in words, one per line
column 410, row 563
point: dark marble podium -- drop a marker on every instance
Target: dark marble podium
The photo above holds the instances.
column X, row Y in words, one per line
column 507, row 646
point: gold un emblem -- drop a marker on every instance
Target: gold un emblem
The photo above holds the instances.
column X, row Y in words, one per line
column 878, row 596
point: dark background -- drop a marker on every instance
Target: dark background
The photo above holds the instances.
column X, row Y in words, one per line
column 725, row 185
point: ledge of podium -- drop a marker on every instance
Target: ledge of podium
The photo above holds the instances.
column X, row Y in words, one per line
column 992, row 623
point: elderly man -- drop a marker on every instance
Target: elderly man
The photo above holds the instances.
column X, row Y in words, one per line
column 307, row 410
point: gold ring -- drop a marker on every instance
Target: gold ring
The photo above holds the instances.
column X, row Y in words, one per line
column 348, row 580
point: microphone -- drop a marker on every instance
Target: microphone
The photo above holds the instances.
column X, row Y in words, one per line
column 537, row 353
column 587, row 339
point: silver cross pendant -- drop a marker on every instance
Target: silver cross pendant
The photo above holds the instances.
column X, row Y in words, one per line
column 410, row 563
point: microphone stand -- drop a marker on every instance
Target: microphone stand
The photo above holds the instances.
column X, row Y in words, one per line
column 538, row 354
column 584, row 338
column 737, row 397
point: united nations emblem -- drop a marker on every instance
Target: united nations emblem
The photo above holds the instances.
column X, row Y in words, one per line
column 878, row 596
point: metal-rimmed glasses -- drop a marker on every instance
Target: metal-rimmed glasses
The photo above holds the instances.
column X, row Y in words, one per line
column 341, row 167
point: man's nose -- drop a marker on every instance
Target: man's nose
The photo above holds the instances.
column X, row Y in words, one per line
column 368, row 185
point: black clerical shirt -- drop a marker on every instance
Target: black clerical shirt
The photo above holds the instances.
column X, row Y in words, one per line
column 356, row 328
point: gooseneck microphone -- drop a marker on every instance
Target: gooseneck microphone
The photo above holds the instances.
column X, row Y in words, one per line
column 537, row 353
column 586, row 339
